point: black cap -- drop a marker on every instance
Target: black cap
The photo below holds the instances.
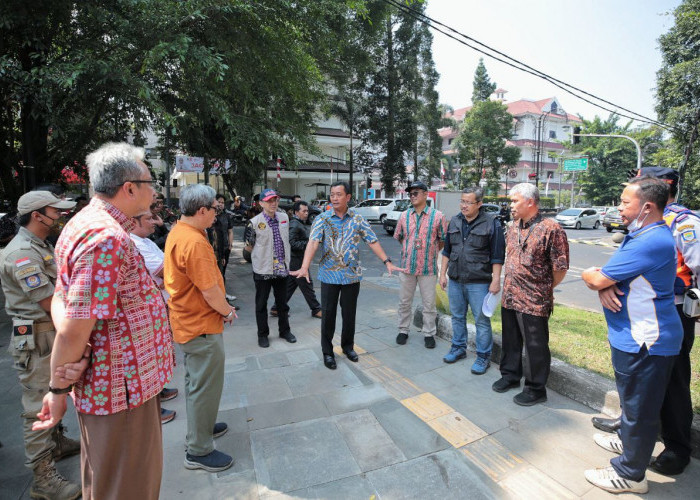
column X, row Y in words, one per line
column 667, row 175
column 417, row 185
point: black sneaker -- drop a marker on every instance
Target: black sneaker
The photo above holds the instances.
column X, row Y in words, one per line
column 220, row 428
column 529, row 398
column 401, row 338
column 669, row 464
column 430, row 342
column 213, row 462
column 502, row 385
column 289, row 337
column 263, row 342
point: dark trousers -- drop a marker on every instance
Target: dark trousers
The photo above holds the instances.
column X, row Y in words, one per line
column 348, row 307
column 677, row 408
column 641, row 382
column 306, row 287
column 533, row 332
column 262, row 293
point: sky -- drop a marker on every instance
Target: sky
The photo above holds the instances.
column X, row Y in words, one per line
column 606, row 47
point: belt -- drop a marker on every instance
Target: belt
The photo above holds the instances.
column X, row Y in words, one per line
column 43, row 326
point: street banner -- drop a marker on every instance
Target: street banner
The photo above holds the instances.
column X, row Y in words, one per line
column 189, row 163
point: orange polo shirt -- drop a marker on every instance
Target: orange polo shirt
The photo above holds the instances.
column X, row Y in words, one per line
column 190, row 267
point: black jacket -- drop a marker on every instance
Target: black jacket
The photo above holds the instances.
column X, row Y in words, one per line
column 298, row 237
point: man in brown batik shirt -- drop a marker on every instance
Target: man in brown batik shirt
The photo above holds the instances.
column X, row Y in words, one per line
column 537, row 257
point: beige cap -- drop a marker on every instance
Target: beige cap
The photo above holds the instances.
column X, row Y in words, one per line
column 35, row 200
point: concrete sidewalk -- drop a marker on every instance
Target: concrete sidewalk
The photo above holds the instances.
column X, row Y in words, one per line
column 398, row 424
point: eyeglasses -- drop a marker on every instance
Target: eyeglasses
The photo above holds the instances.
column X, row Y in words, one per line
column 414, row 194
column 469, row 203
column 212, row 207
column 152, row 182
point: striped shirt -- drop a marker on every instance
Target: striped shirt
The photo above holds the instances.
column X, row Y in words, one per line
column 420, row 236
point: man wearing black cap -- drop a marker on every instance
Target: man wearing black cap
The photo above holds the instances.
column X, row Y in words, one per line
column 421, row 232
column 677, row 409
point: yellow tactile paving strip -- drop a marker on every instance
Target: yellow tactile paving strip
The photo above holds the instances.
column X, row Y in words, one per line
column 492, row 457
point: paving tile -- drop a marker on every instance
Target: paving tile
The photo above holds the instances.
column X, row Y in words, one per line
column 402, row 388
column 354, row 398
column 426, row 406
column 274, row 360
column 532, row 484
column 292, row 457
column 250, row 388
column 382, row 373
column 410, row 434
column 370, row 343
column 368, row 441
column 355, row 487
column 303, row 356
column 236, row 444
column 493, row 458
column 445, row 474
column 412, row 359
column 236, row 419
column 238, row 486
column 285, row 412
column 316, row 378
column 456, row 429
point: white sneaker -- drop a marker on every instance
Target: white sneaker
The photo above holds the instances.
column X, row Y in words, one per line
column 230, row 297
column 606, row 478
column 610, row 442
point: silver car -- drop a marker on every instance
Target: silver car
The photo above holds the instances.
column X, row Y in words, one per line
column 578, row 218
column 375, row 210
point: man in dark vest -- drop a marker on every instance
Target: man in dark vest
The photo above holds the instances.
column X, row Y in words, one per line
column 472, row 258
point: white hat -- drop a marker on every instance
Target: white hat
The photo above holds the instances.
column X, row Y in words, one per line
column 490, row 304
column 36, row 200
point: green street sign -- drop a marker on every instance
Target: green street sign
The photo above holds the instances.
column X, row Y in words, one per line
column 576, row 164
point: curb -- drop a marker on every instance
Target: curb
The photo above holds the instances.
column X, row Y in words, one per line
column 594, row 242
column 579, row 384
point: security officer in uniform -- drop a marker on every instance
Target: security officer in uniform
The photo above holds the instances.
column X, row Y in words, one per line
column 677, row 409
column 28, row 275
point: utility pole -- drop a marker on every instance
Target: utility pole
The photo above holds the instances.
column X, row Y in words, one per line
column 636, row 144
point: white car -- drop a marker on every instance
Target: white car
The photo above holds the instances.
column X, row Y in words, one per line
column 375, row 210
column 602, row 211
column 400, row 207
column 578, row 218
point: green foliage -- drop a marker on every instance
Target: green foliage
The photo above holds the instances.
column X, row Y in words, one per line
column 482, row 87
column 678, row 95
column 482, row 144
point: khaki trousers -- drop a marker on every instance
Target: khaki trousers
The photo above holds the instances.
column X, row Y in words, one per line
column 204, row 382
column 34, row 372
column 122, row 453
column 426, row 284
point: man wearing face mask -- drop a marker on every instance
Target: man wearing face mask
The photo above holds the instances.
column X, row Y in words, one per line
column 28, row 275
column 645, row 333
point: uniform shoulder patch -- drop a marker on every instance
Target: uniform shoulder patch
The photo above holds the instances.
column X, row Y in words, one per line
column 262, row 226
column 27, row 271
column 32, row 281
column 689, row 236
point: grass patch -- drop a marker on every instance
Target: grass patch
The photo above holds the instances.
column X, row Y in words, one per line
column 580, row 338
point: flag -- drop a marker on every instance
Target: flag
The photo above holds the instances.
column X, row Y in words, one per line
column 442, row 171
column 279, row 175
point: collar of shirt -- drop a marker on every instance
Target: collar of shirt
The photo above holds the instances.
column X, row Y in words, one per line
column 126, row 222
column 646, row 228
column 27, row 233
column 270, row 220
column 426, row 210
column 534, row 220
column 349, row 213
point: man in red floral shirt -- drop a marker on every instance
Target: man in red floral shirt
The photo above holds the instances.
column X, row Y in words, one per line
column 106, row 297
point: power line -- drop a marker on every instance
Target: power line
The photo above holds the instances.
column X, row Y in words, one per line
column 519, row 65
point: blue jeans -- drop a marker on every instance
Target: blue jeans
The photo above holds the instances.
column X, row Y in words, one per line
column 472, row 295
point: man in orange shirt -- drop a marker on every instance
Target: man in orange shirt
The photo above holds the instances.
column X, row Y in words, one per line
column 198, row 311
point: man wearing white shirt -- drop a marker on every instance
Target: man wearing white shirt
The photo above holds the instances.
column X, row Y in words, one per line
column 153, row 258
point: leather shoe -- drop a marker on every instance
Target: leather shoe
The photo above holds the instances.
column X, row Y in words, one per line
column 289, row 337
column 669, row 464
column 263, row 342
column 429, row 342
column 329, row 361
column 607, row 424
column 503, row 385
column 352, row 355
column 401, row 338
column 529, row 398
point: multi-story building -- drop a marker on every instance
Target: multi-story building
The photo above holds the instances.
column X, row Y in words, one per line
column 537, row 128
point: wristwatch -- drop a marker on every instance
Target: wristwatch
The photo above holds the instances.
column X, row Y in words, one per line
column 65, row 390
column 387, row 260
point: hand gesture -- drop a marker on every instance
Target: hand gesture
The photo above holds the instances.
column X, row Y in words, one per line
column 608, row 298
column 52, row 410
column 392, row 268
column 70, row 373
column 301, row 273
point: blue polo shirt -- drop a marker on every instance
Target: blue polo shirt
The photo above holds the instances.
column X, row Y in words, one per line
column 340, row 244
column 644, row 268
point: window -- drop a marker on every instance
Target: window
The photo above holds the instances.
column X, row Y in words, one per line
column 552, row 134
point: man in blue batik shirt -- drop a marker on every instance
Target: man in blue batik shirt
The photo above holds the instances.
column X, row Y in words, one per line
column 644, row 331
column 339, row 231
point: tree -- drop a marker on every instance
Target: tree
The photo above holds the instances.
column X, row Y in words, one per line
column 482, row 87
column 611, row 161
column 678, row 92
column 481, row 143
